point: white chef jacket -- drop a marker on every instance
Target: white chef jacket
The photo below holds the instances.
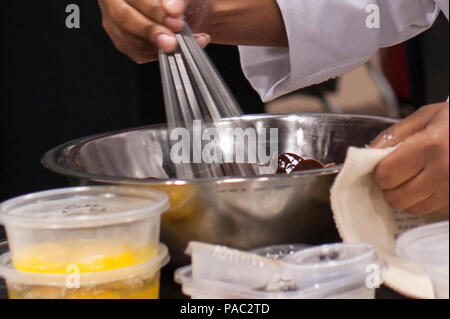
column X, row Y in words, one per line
column 330, row 37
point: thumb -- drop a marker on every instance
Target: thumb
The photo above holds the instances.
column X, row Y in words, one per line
column 407, row 127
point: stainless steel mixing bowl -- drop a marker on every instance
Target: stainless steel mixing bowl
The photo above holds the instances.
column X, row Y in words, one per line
column 239, row 212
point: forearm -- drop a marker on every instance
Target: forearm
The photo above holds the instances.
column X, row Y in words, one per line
column 246, row 22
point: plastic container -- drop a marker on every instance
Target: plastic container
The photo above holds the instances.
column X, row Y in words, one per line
column 204, row 289
column 279, row 252
column 328, row 271
column 331, row 262
column 429, row 246
column 139, row 281
column 95, row 228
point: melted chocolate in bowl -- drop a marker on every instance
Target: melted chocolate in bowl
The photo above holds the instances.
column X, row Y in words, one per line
column 289, row 163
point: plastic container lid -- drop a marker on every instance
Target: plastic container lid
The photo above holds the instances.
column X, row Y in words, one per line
column 148, row 268
column 427, row 245
column 215, row 262
column 81, row 207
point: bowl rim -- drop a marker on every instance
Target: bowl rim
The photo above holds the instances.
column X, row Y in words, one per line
column 49, row 159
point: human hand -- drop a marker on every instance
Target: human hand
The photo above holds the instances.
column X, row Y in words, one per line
column 415, row 177
column 139, row 28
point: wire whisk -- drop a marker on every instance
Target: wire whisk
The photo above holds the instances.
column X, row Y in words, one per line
column 194, row 91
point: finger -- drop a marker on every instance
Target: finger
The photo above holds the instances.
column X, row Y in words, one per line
column 176, row 24
column 411, row 193
column 432, row 204
column 174, row 8
column 407, row 161
column 203, row 39
column 409, row 126
column 134, row 22
column 151, row 9
column 444, row 211
column 139, row 50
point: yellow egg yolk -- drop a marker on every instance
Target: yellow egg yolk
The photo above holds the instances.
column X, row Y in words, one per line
column 80, row 255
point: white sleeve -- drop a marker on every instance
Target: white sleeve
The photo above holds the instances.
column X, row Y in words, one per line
column 443, row 4
column 330, row 37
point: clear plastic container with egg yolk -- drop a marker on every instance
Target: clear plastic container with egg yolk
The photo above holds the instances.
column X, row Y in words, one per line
column 139, row 281
column 97, row 228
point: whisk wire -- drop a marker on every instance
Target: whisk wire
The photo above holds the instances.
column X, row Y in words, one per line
column 194, row 90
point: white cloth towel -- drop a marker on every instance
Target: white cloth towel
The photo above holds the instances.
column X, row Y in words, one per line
column 362, row 215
